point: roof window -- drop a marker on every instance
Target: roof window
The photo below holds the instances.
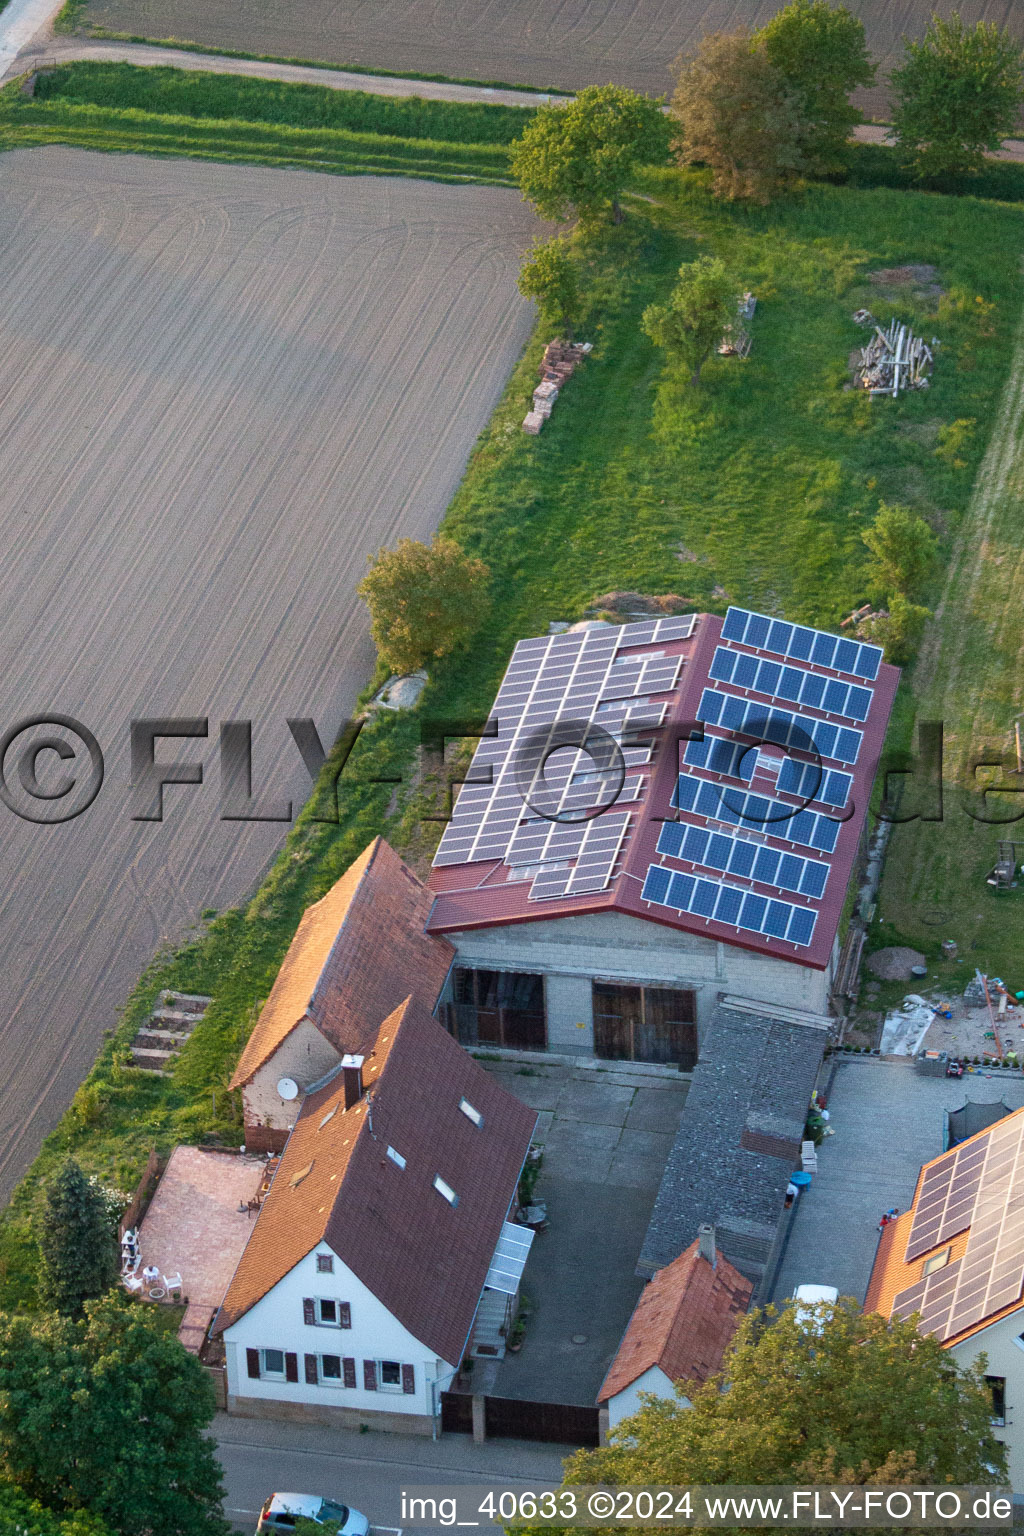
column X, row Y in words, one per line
column 471, row 1113
column 396, row 1157
column 297, row 1178
column 445, row 1190
column 937, row 1261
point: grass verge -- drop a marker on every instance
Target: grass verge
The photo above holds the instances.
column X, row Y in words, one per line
column 755, row 489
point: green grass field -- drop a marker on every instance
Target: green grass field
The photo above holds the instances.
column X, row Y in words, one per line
column 121, row 108
column 754, row 489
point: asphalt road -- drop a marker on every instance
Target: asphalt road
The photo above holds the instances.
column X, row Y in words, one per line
column 563, row 46
column 221, row 388
column 368, row 1471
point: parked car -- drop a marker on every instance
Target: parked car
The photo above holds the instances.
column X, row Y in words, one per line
column 806, row 1298
column 282, row 1510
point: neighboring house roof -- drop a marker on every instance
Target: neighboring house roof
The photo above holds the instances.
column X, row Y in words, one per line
column 711, row 836
column 739, row 1140
column 357, row 953
column 424, row 1259
column 683, row 1322
column 957, row 1255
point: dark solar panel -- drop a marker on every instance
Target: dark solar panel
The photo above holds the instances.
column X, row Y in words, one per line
column 728, row 904
column 817, row 646
column 766, row 722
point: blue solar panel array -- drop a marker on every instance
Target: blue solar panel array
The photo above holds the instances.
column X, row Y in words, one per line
column 739, row 856
column 777, row 818
column 812, row 646
column 729, row 904
column 732, row 758
column 767, row 723
column 810, row 782
column 794, row 684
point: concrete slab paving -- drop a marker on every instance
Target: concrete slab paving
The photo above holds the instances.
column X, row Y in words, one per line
column 654, row 1109
column 888, row 1120
column 639, row 1159
column 595, row 1103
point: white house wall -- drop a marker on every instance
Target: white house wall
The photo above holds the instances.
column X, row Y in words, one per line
column 570, row 952
column 304, row 1056
column 1006, row 1359
column 277, row 1322
column 624, row 1404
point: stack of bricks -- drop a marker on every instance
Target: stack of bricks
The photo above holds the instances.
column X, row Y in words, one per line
column 556, row 368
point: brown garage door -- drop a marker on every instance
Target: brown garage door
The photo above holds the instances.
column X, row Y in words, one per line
column 645, row 1024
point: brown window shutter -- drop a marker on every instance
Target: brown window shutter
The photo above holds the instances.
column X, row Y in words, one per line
column 291, row 1367
column 252, row 1363
column 308, row 1315
column 345, row 1314
column 408, row 1378
column 348, row 1367
column 370, row 1375
column 312, row 1374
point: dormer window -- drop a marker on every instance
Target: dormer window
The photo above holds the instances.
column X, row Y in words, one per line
column 471, row 1113
column 445, row 1190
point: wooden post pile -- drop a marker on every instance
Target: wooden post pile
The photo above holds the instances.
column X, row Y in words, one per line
column 893, row 359
column 556, row 368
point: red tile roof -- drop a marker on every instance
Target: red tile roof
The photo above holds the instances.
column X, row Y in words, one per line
column 357, row 953
column 683, row 1322
column 481, row 894
column 424, row 1259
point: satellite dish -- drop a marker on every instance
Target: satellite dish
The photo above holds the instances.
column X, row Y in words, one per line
column 288, row 1088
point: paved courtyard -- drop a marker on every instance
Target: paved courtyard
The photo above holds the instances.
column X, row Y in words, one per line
column 606, row 1135
column 888, row 1120
column 193, row 1227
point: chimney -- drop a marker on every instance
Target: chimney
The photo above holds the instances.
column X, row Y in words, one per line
column 706, row 1243
column 352, row 1074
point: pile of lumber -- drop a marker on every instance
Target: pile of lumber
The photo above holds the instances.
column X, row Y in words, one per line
column 556, row 367
column 893, row 359
column 737, row 341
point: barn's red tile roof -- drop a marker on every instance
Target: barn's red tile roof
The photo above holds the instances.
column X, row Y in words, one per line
column 683, row 1322
column 357, row 953
column 503, row 860
column 424, row 1259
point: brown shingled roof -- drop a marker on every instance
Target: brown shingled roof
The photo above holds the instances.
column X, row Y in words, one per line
column 357, row 953
column 424, row 1259
column 683, row 1322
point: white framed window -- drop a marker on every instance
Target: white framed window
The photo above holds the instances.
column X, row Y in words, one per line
column 331, row 1313
column 396, row 1157
column 333, row 1371
column 325, row 1264
column 445, row 1190
column 471, row 1113
column 272, row 1363
column 389, row 1375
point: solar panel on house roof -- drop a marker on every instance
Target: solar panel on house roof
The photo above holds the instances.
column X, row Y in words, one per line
column 977, row 1186
column 814, row 646
column 784, row 727
column 795, row 684
column 761, row 813
column 742, row 857
column 596, row 676
column 735, row 906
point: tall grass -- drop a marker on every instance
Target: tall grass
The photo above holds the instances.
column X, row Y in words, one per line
column 185, row 93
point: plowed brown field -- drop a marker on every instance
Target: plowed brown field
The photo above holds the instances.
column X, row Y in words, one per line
column 221, row 387
column 567, row 43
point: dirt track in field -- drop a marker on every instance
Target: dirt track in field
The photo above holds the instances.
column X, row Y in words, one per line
column 220, row 389
column 565, row 44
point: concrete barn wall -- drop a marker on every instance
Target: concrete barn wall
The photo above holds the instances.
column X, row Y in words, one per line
column 570, row 952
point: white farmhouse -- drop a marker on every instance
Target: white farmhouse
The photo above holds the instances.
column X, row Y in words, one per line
column 356, row 1295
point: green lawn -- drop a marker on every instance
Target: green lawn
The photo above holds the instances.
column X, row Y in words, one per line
column 754, row 489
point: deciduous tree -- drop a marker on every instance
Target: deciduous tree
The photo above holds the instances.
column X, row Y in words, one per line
column 105, row 1413
column 821, row 53
column 22, row 1516
column 734, row 112
column 850, row 1398
column 691, row 323
column 904, row 551
column 425, row 601
column 576, row 160
column 551, row 275
column 77, row 1241
column 957, row 94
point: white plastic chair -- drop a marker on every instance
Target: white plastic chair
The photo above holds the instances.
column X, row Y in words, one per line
column 172, row 1283
column 131, row 1283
